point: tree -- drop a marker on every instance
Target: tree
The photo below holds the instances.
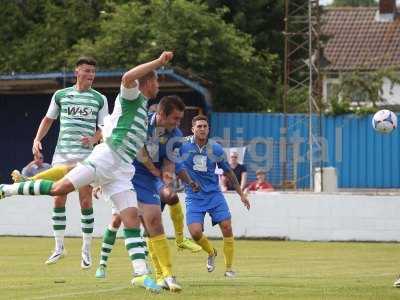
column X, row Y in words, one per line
column 360, row 91
column 37, row 36
column 46, row 35
column 263, row 19
column 205, row 44
column 17, row 18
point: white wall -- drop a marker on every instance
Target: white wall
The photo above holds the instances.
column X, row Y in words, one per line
column 296, row 216
column 392, row 96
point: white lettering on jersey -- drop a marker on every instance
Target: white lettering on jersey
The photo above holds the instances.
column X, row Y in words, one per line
column 200, row 163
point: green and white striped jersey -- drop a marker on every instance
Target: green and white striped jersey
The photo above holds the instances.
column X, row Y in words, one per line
column 125, row 130
column 80, row 114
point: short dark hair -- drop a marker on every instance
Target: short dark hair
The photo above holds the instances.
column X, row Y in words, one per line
column 85, row 60
column 150, row 75
column 199, row 118
column 169, row 103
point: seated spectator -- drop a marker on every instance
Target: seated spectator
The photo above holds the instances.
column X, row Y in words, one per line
column 35, row 166
column 239, row 170
column 260, row 184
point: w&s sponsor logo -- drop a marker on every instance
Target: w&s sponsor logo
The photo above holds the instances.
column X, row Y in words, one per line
column 80, row 111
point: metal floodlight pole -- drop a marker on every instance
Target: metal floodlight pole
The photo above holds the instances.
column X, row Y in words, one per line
column 310, row 94
column 301, row 66
column 285, row 92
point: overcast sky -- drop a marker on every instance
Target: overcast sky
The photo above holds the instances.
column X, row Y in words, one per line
column 325, row 2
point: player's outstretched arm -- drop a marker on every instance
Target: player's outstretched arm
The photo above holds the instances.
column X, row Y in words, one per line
column 130, row 77
column 43, row 129
column 232, row 177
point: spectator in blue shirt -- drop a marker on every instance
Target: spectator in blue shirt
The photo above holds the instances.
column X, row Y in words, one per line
column 36, row 166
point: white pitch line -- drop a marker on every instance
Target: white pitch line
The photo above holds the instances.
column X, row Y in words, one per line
column 97, row 291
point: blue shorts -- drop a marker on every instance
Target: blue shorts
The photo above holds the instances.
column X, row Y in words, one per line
column 216, row 207
column 147, row 188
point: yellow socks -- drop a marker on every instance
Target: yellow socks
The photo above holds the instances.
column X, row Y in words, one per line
column 161, row 250
column 176, row 214
column 206, row 245
column 154, row 259
column 53, row 174
column 228, row 252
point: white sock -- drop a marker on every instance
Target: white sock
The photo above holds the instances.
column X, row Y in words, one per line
column 87, row 241
column 140, row 267
column 59, row 241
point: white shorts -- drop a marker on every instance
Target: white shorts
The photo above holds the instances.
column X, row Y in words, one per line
column 66, row 159
column 122, row 201
column 116, row 204
column 103, row 167
column 114, row 209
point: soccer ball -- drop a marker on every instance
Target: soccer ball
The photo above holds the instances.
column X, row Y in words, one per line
column 384, row 121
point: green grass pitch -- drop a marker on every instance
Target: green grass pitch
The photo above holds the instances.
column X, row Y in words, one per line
column 265, row 269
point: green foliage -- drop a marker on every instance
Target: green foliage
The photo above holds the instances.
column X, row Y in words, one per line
column 359, row 92
column 38, row 35
column 16, row 20
column 297, row 101
column 343, row 107
column 355, row 3
column 263, row 19
column 338, row 107
column 203, row 44
column 229, row 46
